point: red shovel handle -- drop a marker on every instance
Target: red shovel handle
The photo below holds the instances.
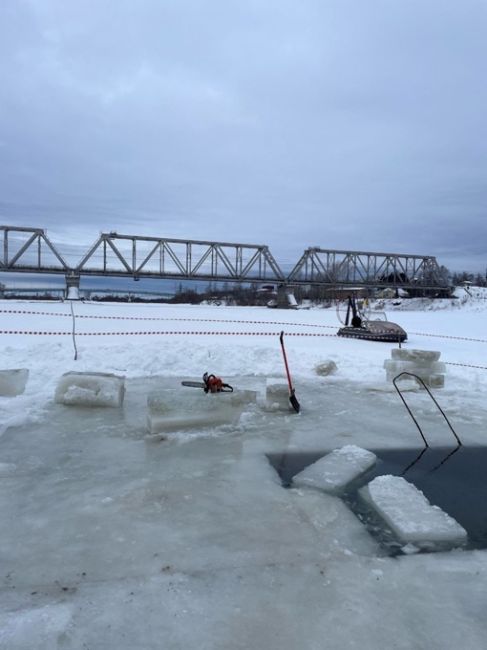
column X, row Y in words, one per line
column 281, row 338
column 292, row 397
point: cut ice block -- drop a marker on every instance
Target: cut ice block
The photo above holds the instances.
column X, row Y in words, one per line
column 277, row 397
column 433, row 380
column 418, row 356
column 325, row 368
column 423, row 363
column 90, row 389
column 337, row 469
column 409, row 514
column 12, row 382
column 436, row 381
column 417, row 368
column 167, row 411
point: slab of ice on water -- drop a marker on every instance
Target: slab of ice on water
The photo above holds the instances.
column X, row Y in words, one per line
column 409, row 514
column 90, row 389
column 12, row 382
column 336, row 470
column 170, row 410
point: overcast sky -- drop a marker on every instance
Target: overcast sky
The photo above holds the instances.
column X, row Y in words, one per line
column 356, row 124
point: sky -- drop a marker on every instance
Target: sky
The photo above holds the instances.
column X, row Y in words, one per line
column 345, row 124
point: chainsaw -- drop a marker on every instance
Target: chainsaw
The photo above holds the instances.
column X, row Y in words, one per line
column 210, row 384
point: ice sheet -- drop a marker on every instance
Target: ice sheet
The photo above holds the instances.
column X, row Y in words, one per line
column 197, row 543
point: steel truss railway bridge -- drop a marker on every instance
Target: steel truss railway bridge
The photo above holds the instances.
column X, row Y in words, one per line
column 29, row 250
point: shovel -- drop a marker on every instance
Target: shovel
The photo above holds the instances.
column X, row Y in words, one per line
column 292, row 397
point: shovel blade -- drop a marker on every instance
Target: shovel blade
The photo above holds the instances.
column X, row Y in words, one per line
column 294, row 402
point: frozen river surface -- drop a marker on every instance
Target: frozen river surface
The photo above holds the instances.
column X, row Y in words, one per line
column 115, row 538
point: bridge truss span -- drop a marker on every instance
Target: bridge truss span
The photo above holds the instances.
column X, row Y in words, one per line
column 153, row 257
column 350, row 268
column 29, row 250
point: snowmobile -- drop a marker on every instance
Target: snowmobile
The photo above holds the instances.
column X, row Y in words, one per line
column 359, row 327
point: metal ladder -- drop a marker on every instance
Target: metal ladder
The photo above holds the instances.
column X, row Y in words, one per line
column 410, row 374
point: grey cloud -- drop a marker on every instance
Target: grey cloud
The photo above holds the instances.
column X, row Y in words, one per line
column 343, row 124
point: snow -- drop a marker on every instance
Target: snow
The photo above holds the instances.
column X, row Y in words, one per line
column 115, row 538
column 410, row 515
column 336, row 470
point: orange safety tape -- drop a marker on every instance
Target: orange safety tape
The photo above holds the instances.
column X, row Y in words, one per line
column 154, row 318
column 198, row 333
column 448, row 336
column 163, row 332
column 465, row 365
column 223, row 320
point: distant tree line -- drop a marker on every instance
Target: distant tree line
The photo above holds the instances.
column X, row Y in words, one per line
column 476, row 279
column 255, row 294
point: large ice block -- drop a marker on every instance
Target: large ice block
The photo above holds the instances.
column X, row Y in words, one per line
column 90, row 389
column 409, row 514
column 435, row 367
column 12, row 382
column 336, row 470
column 418, row 356
column 168, row 411
column 432, row 380
column 423, row 363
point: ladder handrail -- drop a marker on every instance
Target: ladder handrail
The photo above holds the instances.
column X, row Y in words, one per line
column 410, row 374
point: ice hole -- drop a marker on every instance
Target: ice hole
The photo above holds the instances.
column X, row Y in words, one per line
column 452, row 478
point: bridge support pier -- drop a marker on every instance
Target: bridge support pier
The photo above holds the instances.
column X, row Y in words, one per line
column 72, row 286
column 285, row 297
